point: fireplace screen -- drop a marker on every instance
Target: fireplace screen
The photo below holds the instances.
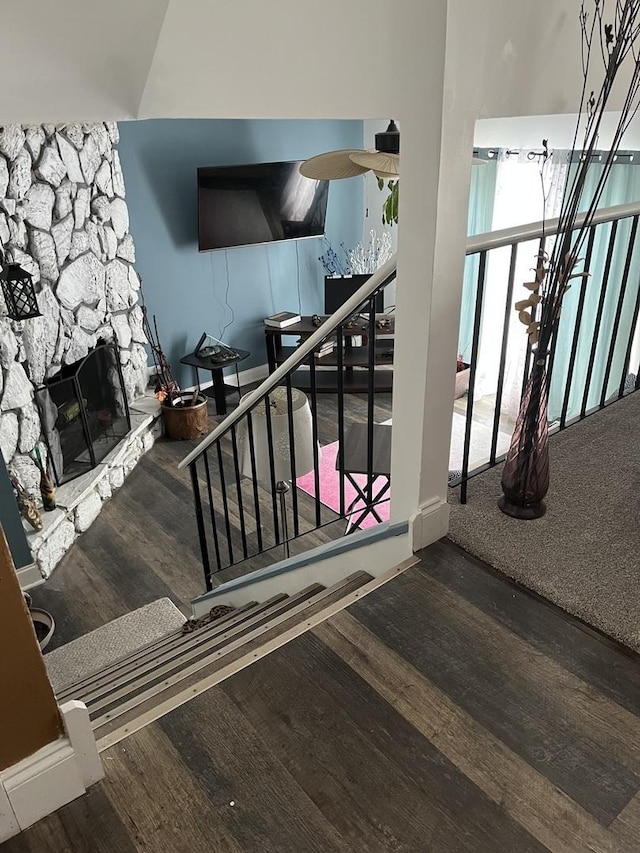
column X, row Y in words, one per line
column 84, row 413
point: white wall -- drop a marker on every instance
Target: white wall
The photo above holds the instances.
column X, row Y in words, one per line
column 529, row 131
column 293, row 59
column 75, row 60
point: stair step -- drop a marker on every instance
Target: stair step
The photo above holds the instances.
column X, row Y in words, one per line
column 121, row 708
column 100, row 649
column 174, row 660
column 152, row 650
column 186, row 648
column 66, row 690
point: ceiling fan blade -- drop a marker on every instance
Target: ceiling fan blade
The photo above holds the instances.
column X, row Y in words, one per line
column 333, row 165
column 384, row 165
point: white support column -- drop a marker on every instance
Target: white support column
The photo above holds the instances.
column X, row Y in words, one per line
column 436, row 161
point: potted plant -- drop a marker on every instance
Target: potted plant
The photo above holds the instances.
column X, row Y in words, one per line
column 43, row 622
column 184, row 413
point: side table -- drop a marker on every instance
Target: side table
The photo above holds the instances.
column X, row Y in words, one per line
column 216, row 368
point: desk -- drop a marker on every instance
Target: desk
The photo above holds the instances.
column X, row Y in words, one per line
column 216, row 368
column 355, row 355
column 355, row 462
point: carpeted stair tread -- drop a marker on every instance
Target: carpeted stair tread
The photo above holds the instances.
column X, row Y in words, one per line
column 151, row 650
column 111, row 642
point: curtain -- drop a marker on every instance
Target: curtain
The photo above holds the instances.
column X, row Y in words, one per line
column 479, row 220
column 623, row 185
column 519, row 199
column 509, row 192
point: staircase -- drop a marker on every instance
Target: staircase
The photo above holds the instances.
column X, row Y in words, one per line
column 136, row 689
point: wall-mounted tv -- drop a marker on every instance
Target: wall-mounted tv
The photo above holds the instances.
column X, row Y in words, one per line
column 258, row 203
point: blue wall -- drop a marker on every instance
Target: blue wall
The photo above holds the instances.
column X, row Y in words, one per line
column 187, row 289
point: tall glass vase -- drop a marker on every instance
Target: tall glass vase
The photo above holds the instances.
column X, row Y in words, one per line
column 525, row 477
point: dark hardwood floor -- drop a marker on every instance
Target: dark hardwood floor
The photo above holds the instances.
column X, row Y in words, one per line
column 449, row 710
column 144, row 543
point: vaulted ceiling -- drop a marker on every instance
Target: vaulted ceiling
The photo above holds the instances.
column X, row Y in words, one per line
column 75, row 60
column 88, row 60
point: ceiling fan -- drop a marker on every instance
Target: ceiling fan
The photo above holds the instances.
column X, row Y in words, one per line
column 383, row 161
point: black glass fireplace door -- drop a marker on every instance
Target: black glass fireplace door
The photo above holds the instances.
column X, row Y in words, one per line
column 84, row 413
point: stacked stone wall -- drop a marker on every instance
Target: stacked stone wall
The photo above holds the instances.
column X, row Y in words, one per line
column 64, row 219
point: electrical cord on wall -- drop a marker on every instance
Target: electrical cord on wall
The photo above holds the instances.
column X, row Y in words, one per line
column 226, row 299
column 273, row 299
column 298, row 279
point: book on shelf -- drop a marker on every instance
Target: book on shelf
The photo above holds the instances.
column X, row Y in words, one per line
column 324, row 349
column 282, row 319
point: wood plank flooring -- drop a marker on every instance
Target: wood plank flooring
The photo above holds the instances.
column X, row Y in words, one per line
column 449, row 710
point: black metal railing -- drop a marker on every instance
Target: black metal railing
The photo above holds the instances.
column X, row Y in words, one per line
column 595, row 353
column 245, row 473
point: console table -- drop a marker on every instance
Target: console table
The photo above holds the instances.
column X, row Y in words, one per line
column 216, row 368
column 355, row 356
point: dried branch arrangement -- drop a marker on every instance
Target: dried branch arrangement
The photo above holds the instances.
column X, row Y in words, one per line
column 609, row 36
column 167, row 389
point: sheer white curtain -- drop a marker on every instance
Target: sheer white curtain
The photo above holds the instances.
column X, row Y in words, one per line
column 520, row 199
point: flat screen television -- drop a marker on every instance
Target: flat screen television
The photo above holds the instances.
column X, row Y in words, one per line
column 338, row 290
column 258, row 203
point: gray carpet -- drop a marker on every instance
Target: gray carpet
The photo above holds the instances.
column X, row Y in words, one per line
column 584, row 554
column 123, row 636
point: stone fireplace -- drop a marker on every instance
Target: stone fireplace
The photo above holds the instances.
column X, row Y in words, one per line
column 64, row 219
column 84, row 413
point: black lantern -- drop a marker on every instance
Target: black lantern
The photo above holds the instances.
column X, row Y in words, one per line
column 18, row 291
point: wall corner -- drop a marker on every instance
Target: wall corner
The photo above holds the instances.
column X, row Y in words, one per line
column 54, row 776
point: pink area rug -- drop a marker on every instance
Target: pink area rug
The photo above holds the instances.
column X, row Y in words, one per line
column 330, row 488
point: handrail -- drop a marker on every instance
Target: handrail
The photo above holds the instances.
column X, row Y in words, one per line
column 534, row 230
column 379, row 278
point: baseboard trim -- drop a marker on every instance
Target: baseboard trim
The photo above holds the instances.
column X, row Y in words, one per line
column 29, row 576
column 372, row 551
column 54, row 776
column 430, row 523
column 245, row 377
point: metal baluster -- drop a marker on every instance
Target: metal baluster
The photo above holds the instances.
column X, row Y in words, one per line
column 482, row 269
column 598, row 320
column 214, row 524
column 254, row 479
column 316, row 455
column 576, row 331
column 632, row 334
column 200, row 523
column 292, row 454
column 340, row 390
column 272, row 470
column 618, row 315
column 225, row 503
column 503, row 353
column 371, row 363
column 236, row 469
